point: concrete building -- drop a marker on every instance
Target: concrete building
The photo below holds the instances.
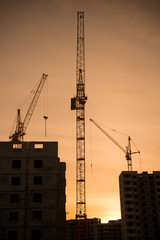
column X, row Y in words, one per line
column 32, row 191
column 86, row 229
column 111, row 230
column 95, row 230
column 140, row 205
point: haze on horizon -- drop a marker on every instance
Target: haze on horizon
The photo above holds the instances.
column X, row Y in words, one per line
column 122, row 43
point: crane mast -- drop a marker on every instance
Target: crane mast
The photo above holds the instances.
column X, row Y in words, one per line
column 22, row 126
column 127, row 151
column 78, row 104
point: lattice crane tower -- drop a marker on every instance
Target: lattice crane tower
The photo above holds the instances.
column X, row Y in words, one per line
column 78, row 104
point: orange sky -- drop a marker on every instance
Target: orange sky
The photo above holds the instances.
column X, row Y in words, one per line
column 122, row 83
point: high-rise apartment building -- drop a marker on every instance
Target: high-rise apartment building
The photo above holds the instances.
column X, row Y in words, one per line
column 140, row 205
column 111, row 230
column 32, row 191
column 92, row 229
column 95, row 229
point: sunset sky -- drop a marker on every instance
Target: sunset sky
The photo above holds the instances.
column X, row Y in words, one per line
column 122, row 45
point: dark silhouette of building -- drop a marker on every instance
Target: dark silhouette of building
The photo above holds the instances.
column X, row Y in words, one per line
column 111, row 230
column 89, row 227
column 32, row 191
column 140, row 205
column 95, row 229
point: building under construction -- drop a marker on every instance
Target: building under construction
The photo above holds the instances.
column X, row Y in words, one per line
column 95, row 230
column 140, row 205
column 32, row 190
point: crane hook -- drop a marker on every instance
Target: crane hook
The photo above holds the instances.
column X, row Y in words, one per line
column 45, row 118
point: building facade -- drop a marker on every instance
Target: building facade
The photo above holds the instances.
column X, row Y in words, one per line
column 111, row 230
column 83, row 229
column 32, row 191
column 95, row 230
column 140, row 205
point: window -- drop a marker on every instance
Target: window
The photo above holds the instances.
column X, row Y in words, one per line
column 13, row 216
column 17, row 146
column 37, row 197
column 145, row 219
column 129, row 209
column 130, row 216
column 143, row 190
column 14, row 198
column 38, row 146
column 127, row 182
column 38, row 163
column 157, row 176
column 15, row 180
column 12, row 235
column 128, row 202
column 36, row 215
column 37, row 180
column 128, row 195
column 16, row 164
column 36, row 234
column 127, row 175
column 127, row 188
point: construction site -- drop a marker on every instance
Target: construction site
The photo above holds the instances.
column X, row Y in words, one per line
column 66, row 176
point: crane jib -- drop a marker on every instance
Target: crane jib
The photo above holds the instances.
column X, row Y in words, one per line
column 22, row 126
column 127, row 152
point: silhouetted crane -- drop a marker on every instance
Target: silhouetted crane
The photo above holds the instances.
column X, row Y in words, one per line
column 127, row 151
column 21, row 126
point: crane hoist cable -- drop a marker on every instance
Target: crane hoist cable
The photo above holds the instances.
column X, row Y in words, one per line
column 45, row 116
column 21, row 126
column 126, row 150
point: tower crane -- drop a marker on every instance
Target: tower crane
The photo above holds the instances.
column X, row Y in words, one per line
column 127, row 151
column 21, row 126
column 78, row 104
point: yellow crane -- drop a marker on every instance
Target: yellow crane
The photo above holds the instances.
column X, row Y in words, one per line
column 21, row 126
column 127, row 151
